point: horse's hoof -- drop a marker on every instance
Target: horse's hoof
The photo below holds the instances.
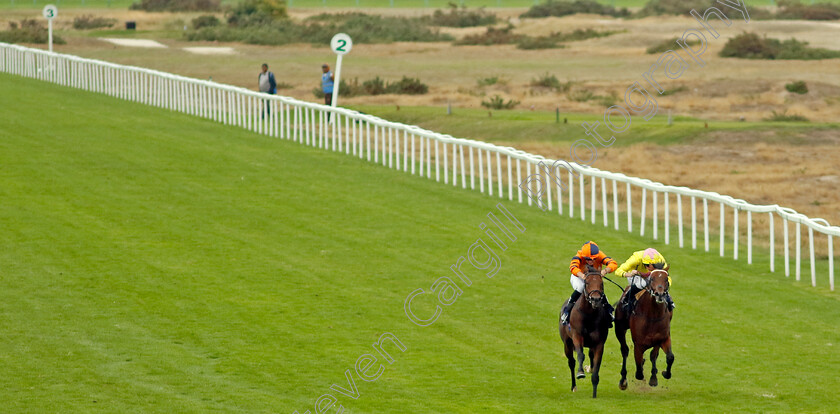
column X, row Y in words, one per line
column 666, row 374
column 580, row 375
column 622, row 385
column 653, row 382
column 640, row 376
column 574, row 389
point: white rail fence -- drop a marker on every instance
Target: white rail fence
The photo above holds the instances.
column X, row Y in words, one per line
column 496, row 170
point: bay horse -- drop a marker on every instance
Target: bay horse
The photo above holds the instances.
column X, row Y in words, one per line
column 589, row 325
column 650, row 328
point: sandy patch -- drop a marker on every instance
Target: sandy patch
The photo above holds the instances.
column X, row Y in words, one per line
column 210, row 50
column 133, row 42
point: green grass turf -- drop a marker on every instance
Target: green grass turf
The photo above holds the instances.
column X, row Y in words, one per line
column 29, row 4
column 156, row 262
column 539, row 126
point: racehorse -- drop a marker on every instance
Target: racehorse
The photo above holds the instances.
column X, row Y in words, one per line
column 650, row 328
column 589, row 325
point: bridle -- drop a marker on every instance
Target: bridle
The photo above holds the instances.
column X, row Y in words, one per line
column 659, row 297
column 588, row 293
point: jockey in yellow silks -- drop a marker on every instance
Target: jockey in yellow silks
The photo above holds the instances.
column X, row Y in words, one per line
column 636, row 269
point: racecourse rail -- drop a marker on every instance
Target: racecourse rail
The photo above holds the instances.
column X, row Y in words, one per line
column 428, row 154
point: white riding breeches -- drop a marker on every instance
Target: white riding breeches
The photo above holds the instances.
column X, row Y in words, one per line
column 577, row 283
column 638, row 281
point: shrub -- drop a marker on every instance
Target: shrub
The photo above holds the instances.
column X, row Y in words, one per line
column 88, row 21
column 667, row 45
column 376, row 86
column 260, row 28
column 677, row 7
column 794, row 10
column 797, row 87
column 256, row 12
column 565, row 8
column 583, row 34
column 462, row 17
column 492, row 36
column 488, row 81
column 540, row 42
column 546, row 81
column 784, row 117
column 497, row 102
column 582, row 96
column 207, row 20
column 176, row 5
column 407, row 86
column 28, row 31
column 752, row 46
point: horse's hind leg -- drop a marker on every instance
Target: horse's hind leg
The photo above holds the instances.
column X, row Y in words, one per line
column 639, row 353
column 669, row 358
column 620, row 333
column 654, row 353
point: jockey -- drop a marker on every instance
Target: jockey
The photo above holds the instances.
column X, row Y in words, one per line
column 589, row 254
column 636, row 269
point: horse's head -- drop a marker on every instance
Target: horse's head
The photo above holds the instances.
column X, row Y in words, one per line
column 593, row 289
column 658, row 285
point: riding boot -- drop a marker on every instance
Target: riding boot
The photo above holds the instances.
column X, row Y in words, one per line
column 670, row 302
column 568, row 308
column 630, row 299
column 610, row 308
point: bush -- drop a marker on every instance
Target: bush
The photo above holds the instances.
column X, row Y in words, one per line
column 797, row 87
column 207, row 20
column 376, row 86
column 676, row 7
column 551, row 82
column 497, row 102
column 488, row 81
column 794, row 10
column 88, row 21
column 565, row 8
column 492, row 36
column 176, row 5
column 259, row 28
column 28, row 31
column 540, row 42
column 256, row 12
column 784, row 117
column 752, row 46
column 462, row 17
column 670, row 44
column 407, row 86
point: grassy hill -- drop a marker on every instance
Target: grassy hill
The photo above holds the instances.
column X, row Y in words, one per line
column 155, row 262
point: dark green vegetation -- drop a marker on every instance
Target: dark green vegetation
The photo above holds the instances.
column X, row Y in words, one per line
column 157, row 262
column 674, row 7
column 565, row 8
column 497, row 102
column 753, row 46
column 28, row 31
column 785, row 117
column 666, row 45
column 378, row 86
column 89, row 21
column 462, row 17
column 796, row 10
column 505, row 36
column 259, row 28
column 799, row 87
column 178, row 5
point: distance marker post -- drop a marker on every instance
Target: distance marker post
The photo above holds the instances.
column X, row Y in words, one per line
column 341, row 45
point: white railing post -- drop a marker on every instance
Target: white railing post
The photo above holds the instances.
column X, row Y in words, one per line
column 615, row 204
column 787, row 247
column 735, row 234
column 629, row 209
column 722, row 228
column 582, row 198
column 680, row 219
column 666, row 218
column 706, row 221
column 644, row 207
column 830, row 263
column 749, row 237
column 499, row 177
column 798, row 250
column 490, row 174
column 604, row 199
column 593, row 201
column 811, row 256
column 772, row 244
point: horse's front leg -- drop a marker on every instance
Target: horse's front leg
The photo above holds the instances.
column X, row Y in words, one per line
column 596, row 367
column 578, row 341
column 639, row 353
column 669, row 358
column 620, row 333
column 570, row 356
column 654, row 353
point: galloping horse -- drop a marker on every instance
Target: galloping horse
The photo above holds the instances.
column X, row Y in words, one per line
column 650, row 328
column 589, row 325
